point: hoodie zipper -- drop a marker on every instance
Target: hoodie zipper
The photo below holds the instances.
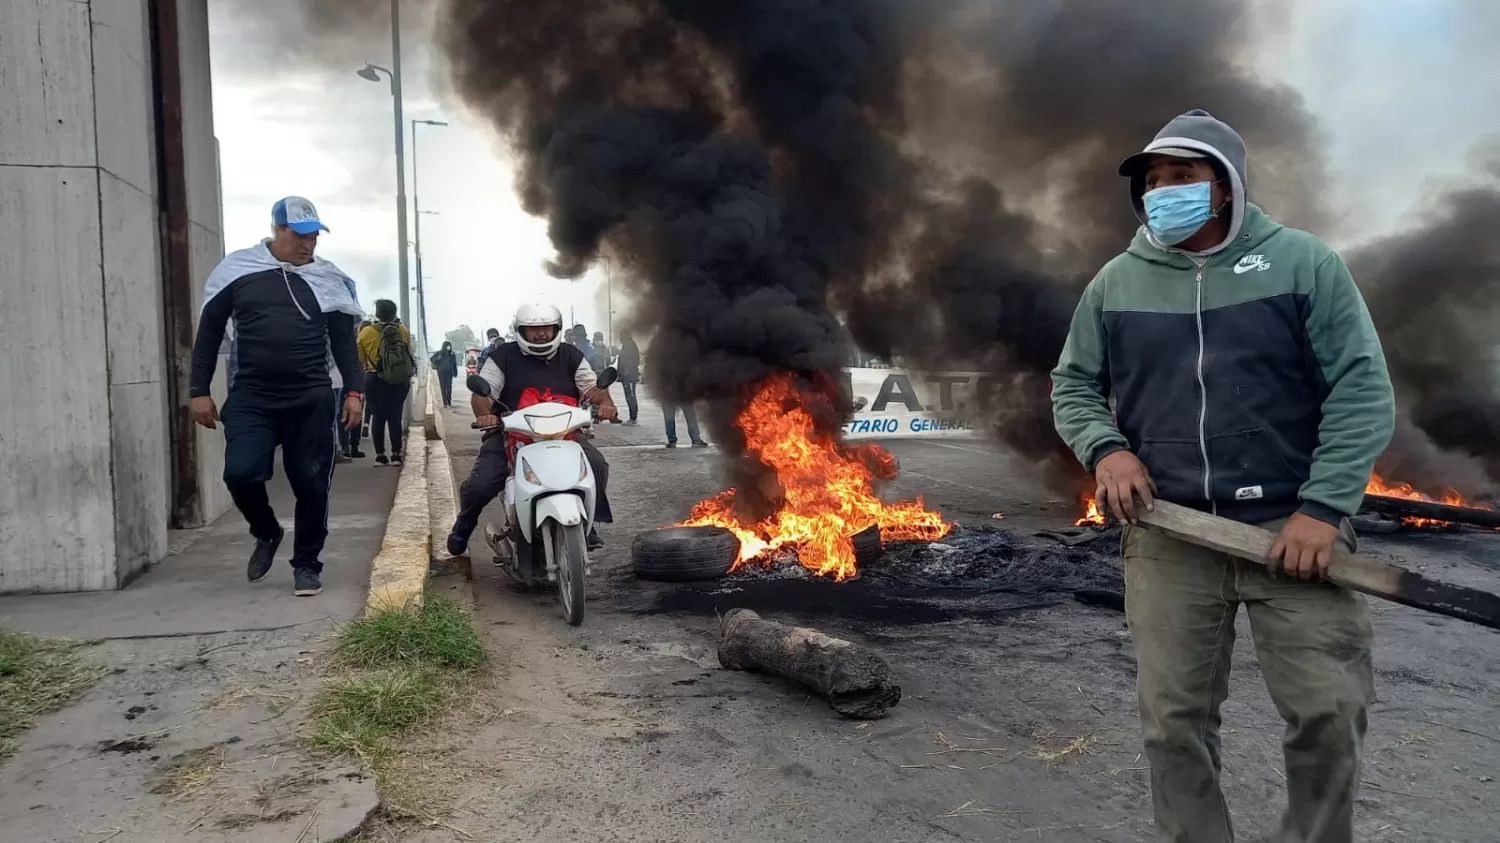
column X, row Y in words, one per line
column 1203, row 391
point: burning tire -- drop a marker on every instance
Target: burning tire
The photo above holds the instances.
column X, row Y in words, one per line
column 867, row 546
column 684, row 554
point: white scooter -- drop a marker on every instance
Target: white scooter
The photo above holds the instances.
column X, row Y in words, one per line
column 549, row 496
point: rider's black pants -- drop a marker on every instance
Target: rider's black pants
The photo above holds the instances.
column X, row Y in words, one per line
column 492, row 468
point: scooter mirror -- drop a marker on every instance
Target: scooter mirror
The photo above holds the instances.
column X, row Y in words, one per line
column 607, row 378
column 478, row 385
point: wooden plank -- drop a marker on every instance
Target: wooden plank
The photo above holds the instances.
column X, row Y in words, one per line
column 1358, row 573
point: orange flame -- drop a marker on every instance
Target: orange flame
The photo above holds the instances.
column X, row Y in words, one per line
column 1092, row 517
column 1380, row 486
column 827, row 492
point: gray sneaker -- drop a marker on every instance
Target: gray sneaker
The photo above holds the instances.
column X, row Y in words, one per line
column 262, row 557
column 307, row 583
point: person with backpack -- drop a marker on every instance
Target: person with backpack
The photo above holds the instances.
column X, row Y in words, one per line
column 385, row 351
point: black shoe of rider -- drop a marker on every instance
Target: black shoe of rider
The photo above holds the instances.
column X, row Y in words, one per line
column 595, row 541
column 307, row 583
column 263, row 556
column 457, row 545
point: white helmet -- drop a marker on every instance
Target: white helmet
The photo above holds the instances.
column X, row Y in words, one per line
column 535, row 315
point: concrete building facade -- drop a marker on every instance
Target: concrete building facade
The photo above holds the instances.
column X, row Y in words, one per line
column 109, row 222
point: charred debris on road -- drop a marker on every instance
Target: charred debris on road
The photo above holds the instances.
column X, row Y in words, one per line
column 973, row 572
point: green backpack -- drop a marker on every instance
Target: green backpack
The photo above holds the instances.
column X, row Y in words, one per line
column 395, row 364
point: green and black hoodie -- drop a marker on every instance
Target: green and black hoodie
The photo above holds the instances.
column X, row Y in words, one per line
column 1248, row 379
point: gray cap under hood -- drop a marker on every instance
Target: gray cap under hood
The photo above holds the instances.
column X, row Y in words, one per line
column 1196, row 131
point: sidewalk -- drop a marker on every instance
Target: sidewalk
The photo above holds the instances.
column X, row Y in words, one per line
column 200, row 706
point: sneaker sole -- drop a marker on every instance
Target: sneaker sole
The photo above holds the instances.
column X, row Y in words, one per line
column 308, row 592
column 259, row 578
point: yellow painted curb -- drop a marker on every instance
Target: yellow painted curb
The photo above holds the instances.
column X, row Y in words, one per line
column 433, row 423
column 442, row 508
column 398, row 576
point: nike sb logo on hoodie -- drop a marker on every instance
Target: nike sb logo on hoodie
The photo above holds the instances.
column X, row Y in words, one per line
column 1258, row 263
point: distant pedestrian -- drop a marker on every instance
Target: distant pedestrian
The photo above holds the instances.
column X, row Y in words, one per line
column 581, row 339
column 349, row 437
column 688, row 415
column 492, row 341
column 445, row 363
column 629, row 369
column 342, row 455
column 290, row 312
column 385, row 351
column 369, row 409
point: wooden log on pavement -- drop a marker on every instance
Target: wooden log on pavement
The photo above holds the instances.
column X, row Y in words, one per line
column 1404, row 508
column 1378, row 579
column 855, row 681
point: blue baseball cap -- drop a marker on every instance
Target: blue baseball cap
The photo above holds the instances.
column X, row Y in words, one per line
column 298, row 214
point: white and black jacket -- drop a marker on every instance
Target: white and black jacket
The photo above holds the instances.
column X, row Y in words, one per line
column 291, row 328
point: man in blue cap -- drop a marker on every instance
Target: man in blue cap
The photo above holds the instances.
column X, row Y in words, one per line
column 292, row 343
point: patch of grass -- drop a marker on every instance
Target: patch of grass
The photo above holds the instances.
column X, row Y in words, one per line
column 37, row 676
column 190, row 773
column 401, row 669
column 440, row 634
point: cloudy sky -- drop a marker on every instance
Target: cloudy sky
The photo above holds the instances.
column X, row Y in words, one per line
column 1404, row 90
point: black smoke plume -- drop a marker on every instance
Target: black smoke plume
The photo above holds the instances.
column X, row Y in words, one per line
column 1434, row 291
column 940, row 173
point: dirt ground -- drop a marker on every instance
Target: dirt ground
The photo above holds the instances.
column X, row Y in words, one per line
column 1017, row 724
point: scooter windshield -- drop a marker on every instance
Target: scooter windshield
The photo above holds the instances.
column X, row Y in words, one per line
column 553, row 425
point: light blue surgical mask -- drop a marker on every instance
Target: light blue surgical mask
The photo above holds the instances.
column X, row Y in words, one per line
column 1175, row 213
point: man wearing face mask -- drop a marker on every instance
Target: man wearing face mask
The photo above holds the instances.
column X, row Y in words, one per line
column 1247, row 381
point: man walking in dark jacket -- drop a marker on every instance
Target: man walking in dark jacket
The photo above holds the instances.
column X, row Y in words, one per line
column 629, row 369
column 445, row 363
column 1248, row 381
column 290, row 313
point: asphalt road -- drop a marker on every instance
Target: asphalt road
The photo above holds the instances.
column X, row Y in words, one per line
column 1017, row 724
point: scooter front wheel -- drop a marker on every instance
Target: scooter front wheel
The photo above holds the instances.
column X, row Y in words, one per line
column 571, row 549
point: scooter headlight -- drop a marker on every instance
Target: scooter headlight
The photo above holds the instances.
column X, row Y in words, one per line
column 529, row 474
column 549, row 426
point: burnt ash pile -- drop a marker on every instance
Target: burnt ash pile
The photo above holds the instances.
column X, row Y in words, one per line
column 975, row 573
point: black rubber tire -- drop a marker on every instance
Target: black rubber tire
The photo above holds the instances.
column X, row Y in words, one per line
column 867, row 546
column 684, row 554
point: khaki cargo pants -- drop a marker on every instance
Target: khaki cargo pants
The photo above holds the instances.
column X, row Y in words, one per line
column 1313, row 642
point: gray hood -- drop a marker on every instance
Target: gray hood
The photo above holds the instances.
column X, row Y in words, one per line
column 1199, row 131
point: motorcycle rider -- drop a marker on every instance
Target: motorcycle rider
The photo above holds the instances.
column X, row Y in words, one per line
column 536, row 368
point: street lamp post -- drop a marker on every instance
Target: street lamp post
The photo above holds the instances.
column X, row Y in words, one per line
column 372, row 72
column 416, row 198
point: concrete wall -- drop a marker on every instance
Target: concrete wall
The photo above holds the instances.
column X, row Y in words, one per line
column 84, row 449
column 205, row 226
